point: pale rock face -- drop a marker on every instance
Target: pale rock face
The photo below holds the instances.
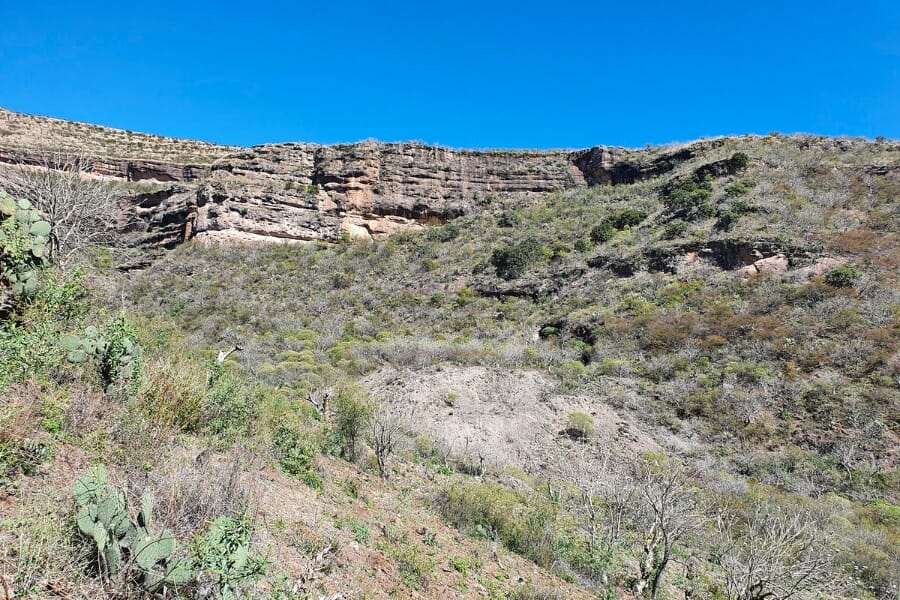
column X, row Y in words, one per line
column 820, row 267
column 772, row 264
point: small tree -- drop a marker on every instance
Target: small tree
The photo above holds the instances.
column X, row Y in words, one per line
column 666, row 511
column 387, row 433
column 353, row 412
column 600, row 502
column 772, row 554
column 81, row 208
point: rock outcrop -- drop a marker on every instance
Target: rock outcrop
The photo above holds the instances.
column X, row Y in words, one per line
column 309, row 192
column 181, row 189
column 305, row 192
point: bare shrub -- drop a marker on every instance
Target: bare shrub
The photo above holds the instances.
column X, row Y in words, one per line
column 82, row 208
column 665, row 512
column 386, row 436
column 773, row 554
column 190, row 493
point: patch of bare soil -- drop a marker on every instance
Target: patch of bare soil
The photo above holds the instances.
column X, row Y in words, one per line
column 507, row 417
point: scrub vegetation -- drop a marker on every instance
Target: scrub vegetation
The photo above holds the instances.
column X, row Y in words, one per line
column 742, row 324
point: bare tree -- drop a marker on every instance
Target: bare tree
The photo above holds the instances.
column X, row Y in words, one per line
column 319, row 399
column 602, row 497
column 666, row 511
column 82, row 209
column 387, row 433
column 772, row 554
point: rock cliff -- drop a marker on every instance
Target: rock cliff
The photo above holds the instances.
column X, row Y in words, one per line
column 180, row 189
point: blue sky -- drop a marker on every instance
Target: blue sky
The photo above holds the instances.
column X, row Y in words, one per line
column 551, row 74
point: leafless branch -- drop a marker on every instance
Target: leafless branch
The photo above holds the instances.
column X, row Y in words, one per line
column 81, row 207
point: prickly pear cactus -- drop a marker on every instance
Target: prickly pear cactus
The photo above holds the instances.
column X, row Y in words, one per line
column 79, row 349
column 24, row 245
column 118, row 355
column 103, row 517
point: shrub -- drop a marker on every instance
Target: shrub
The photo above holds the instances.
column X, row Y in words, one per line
column 727, row 220
column 296, row 454
column 172, row 393
column 583, row 244
column 508, row 219
column 602, row 233
column 690, row 200
column 511, row 261
column 353, row 412
column 525, row 524
column 675, row 229
column 739, row 188
column 223, row 555
column 627, row 218
column 842, row 277
column 740, row 160
column 579, row 425
column 228, row 409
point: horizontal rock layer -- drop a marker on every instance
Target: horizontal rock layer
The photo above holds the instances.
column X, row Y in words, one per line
column 304, row 192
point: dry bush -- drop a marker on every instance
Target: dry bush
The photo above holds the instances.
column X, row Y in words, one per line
column 172, row 393
column 83, row 210
column 85, row 410
column 39, row 556
column 189, row 493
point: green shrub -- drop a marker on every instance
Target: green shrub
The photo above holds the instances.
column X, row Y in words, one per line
column 526, row 524
column 228, row 408
column 690, row 200
column 675, row 229
column 842, row 277
column 727, row 220
column 296, row 453
column 740, row 160
column 627, row 218
column 583, row 244
column 602, row 233
column 353, row 412
column 580, row 425
column 223, row 555
column 739, row 188
column 548, row 332
column 29, row 338
column 511, row 261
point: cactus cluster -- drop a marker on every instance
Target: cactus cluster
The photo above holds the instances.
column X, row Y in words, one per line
column 118, row 354
column 125, row 545
column 24, row 244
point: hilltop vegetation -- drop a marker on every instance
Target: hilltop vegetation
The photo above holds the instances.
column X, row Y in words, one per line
column 713, row 354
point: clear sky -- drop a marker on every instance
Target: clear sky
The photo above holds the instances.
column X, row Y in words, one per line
column 475, row 74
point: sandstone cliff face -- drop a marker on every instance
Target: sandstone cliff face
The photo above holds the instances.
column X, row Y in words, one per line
column 308, row 192
column 305, row 192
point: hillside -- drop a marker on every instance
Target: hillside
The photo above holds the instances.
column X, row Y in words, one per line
column 601, row 373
